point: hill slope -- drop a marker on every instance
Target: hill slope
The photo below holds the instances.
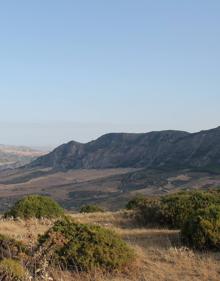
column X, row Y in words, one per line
column 164, row 149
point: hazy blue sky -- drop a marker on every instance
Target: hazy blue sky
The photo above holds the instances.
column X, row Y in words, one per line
column 77, row 69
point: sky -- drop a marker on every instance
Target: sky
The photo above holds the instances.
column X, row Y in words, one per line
column 78, row 69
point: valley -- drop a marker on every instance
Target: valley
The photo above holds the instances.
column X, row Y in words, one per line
column 110, row 188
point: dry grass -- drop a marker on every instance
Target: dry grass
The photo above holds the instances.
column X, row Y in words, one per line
column 160, row 255
column 26, row 231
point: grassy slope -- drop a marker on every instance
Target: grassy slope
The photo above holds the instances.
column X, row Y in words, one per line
column 160, row 255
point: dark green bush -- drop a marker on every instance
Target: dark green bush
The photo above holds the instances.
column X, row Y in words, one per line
column 178, row 207
column 202, row 229
column 81, row 247
column 91, row 209
column 35, row 206
column 135, row 202
column 149, row 212
column 10, row 248
column 174, row 210
column 12, row 270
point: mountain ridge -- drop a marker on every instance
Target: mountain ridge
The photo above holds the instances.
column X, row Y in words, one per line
column 156, row 149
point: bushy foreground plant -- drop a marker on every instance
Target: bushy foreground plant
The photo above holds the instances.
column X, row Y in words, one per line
column 81, row 247
column 12, row 270
column 91, row 209
column 202, row 229
column 35, row 206
column 10, row 248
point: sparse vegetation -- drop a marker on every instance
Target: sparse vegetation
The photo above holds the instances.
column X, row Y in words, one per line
column 159, row 252
column 35, row 206
column 91, row 246
column 10, row 248
column 12, row 270
column 91, row 209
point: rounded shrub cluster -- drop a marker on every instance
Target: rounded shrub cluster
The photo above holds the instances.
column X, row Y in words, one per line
column 35, row 206
column 82, row 247
column 202, row 229
column 91, row 209
column 12, row 270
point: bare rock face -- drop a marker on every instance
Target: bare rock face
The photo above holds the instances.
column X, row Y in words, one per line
column 164, row 149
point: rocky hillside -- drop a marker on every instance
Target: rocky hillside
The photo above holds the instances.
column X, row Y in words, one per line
column 164, row 149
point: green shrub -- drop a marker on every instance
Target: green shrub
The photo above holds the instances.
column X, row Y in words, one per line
column 10, row 248
column 178, row 207
column 135, row 202
column 202, row 229
column 35, row 206
column 11, row 270
column 91, row 209
column 174, row 210
column 149, row 212
column 81, row 247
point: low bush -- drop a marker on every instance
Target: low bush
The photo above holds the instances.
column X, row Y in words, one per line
column 81, row 247
column 35, row 206
column 10, row 248
column 12, row 270
column 91, row 209
column 202, row 229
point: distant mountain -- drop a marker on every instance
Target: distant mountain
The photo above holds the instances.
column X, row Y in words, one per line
column 16, row 156
column 163, row 149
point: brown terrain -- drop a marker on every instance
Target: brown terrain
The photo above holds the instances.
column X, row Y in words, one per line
column 110, row 188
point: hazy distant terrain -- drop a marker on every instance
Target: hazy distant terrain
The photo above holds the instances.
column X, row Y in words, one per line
column 16, row 156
